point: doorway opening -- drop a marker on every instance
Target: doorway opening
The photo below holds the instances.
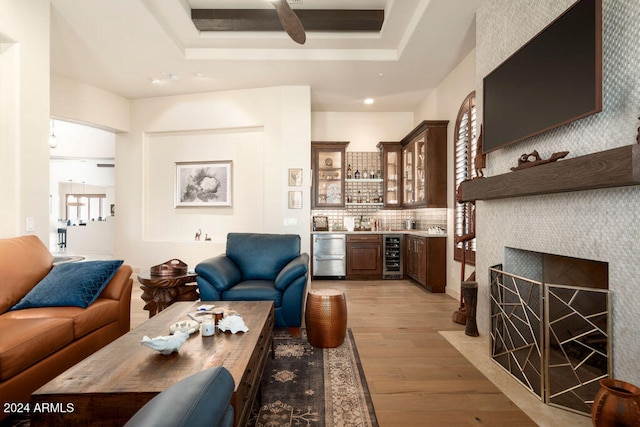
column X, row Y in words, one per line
column 82, row 195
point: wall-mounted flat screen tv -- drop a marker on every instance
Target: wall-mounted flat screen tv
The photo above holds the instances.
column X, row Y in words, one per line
column 554, row 79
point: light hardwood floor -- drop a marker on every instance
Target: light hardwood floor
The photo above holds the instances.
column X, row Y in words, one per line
column 415, row 375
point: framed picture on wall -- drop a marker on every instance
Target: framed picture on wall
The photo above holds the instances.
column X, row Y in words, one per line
column 295, row 177
column 203, row 184
column 295, row 199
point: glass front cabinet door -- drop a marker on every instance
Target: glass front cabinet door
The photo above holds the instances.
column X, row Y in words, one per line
column 392, row 174
column 408, row 175
column 414, row 172
column 327, row 162
column 424, row 165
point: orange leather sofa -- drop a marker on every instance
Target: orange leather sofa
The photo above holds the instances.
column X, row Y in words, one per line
column 38, row 344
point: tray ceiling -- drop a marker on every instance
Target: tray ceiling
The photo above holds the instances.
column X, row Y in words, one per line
column 144, row 48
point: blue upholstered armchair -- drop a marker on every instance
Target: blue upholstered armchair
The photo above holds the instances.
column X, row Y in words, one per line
column 201, row 400
column 258, row 267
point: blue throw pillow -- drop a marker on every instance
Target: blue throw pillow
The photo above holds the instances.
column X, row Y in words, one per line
column 73, row 284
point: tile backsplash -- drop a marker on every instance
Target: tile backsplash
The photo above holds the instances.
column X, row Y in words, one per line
column 388, row 219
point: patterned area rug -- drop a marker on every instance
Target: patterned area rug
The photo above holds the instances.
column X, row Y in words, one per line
column 308, row 386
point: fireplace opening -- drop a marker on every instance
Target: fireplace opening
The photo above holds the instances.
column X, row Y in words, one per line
column 557, row 269
column 550, row 326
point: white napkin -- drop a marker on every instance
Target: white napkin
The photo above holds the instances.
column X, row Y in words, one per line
column 233, row 324
column 165, row 344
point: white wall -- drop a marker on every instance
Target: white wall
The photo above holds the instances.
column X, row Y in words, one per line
column 79, row 102
column 24, row 116
column 599, row 225
column 264, row 132
column 362, row 130
column 444, row 104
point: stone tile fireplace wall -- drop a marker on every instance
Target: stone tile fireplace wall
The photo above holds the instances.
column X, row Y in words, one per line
column 594, row 224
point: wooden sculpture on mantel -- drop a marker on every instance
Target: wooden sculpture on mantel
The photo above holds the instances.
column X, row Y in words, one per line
column 524, row 161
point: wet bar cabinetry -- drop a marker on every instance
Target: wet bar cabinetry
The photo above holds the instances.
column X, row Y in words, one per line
column 364, row 256
column 424, row 165
column 414, row 255
column 415, row 258
column 328, row 165
column 425, row 261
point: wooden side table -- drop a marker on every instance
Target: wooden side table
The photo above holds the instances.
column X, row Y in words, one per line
column 326, row 317
column 159, row 292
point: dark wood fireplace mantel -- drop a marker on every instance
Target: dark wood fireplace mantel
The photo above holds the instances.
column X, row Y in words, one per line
column 617, row 167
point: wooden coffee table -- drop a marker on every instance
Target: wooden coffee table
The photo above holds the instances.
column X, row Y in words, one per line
column 109, row 386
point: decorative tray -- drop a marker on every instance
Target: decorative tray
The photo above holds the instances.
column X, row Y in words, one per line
column 173, row 267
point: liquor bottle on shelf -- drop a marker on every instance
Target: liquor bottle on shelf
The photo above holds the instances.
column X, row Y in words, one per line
column 349, row 172
column 357, row 174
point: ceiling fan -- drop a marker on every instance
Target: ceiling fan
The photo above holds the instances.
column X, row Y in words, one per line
column 283, row 17
column 290, row 21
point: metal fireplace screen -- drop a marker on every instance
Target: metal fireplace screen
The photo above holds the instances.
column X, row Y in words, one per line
column 553, row 339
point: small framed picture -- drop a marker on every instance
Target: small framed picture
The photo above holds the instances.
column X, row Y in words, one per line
column 203, row 184
column 295, row 177
column 295, row 199
column 320, row 223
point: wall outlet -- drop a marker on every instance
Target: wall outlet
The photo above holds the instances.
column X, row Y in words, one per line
column 290, row 222
column 31, row 223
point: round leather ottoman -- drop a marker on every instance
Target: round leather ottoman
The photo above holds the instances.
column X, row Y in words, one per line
column 326, row 317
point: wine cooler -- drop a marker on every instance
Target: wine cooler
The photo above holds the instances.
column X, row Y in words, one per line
column 392, row 267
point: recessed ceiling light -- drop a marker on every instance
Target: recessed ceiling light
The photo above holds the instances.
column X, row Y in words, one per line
column 369, row 101
column 164, row 78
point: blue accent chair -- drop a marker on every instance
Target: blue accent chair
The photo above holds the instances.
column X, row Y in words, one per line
column 203, row 399
column 257, row 267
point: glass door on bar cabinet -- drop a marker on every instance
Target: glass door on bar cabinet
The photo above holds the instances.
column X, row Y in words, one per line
column 407, row 175
column 392, row 173
column 328, row 174
column 420, row 171
column 414, row 172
